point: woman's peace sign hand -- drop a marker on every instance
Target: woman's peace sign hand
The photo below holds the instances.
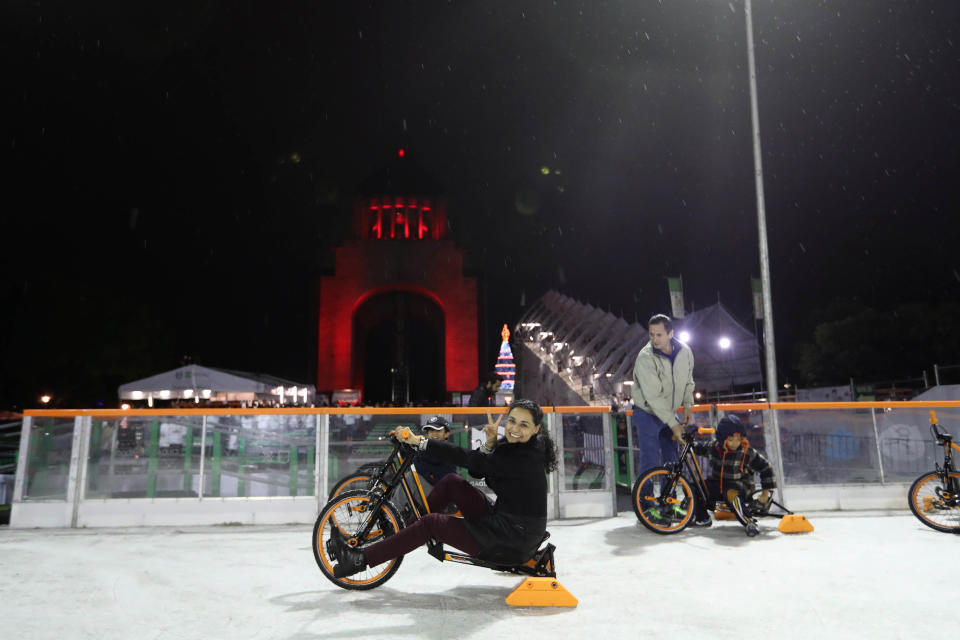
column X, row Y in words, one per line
column 490, row 429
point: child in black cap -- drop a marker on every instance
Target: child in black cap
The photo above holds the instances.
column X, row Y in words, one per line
column 436, row 428
column 732, row 465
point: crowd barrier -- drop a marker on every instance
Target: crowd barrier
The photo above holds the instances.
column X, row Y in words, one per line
column 90, row 468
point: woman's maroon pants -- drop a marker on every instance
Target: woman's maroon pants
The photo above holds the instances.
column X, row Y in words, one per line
column 452, row 489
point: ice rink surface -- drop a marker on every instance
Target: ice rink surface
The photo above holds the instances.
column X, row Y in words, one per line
column 858, row 575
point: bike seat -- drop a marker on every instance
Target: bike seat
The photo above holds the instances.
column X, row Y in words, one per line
column 541, row 562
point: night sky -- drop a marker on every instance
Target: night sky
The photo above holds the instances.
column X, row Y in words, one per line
column 176, row 176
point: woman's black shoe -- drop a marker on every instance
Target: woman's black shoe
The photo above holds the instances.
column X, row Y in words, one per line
column 351, row 561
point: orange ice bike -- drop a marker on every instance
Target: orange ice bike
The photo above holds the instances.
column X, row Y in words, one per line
column 369, row 514
column 934, row 497
column 665, row 497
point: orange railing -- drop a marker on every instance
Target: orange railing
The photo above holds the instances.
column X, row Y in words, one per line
column 280, row 411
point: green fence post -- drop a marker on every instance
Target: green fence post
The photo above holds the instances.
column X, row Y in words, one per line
column 461, row 438
column 93, row 454
column 619, row 471
column 294, row 469
column 217, row 455
column 153, row 450
column 37, row 471
column 241, row 463
column 187, row 459
column 311, row 463
column 333, row 464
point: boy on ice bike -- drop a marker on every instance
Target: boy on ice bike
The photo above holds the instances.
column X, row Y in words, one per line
column 430, row 469
column 732, row 465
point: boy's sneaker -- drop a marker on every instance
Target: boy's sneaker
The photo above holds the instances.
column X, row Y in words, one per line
column 703, row 522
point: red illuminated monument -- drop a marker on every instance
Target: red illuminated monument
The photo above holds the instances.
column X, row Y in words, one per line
column 398, row 319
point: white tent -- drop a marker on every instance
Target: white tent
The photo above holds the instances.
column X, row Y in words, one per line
column 194, row 382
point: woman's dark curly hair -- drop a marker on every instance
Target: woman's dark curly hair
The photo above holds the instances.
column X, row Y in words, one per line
column 543, row 439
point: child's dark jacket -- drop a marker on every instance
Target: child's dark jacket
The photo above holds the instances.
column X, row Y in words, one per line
column 735, row 469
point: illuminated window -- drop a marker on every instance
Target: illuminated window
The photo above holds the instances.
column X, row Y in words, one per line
column 422, row 228
column 400, row 218
column 374, row 222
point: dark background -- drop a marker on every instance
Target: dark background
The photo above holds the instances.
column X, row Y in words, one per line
column 175, row 176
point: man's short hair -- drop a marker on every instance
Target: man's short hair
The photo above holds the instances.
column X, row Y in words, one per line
column 493, row 377
column 661, row 319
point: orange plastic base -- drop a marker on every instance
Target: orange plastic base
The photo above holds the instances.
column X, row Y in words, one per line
column 795, row 523
column 541, row 592
column 723, row 514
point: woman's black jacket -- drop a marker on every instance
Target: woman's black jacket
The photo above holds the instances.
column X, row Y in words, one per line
column 512, row 529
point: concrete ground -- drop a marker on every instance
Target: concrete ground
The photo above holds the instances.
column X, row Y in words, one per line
column 858, row 575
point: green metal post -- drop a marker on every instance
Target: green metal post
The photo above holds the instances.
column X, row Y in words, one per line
column 96, row 434
column 461, row 438
column 241, row 464
column 217, row 459
column 188, row 459
column 153, row 450
column 333, row 464
column 620, row 471
column 294, row 469
column 37, row 458
column 311, row 463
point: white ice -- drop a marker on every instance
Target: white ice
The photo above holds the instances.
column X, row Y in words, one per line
column 858, row 575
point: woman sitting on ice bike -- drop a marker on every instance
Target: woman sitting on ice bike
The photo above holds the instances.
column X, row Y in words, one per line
column 509, row 530
column 732, row 465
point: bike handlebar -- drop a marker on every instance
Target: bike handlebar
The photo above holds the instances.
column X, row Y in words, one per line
column 693, row 430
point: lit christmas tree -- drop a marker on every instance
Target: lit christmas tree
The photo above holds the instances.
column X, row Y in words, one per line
column 505, row 366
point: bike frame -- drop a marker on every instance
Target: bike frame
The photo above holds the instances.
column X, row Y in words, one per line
column 688, row 460
column 946, row 440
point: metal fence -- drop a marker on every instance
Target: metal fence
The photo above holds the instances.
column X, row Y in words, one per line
column 93, row 468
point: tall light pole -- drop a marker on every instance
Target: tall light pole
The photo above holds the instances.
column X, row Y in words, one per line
column 771, row 356
column 761, row 216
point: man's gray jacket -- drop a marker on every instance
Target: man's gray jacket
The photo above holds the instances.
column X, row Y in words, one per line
column 659, row 386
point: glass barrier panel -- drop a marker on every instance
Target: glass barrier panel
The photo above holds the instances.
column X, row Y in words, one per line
column 361, row 441
column 48, row 459
column 144, row 457
column 9, row 452
column 260, row 455
column 907, row 446
column 828, row 446
column 583, row 459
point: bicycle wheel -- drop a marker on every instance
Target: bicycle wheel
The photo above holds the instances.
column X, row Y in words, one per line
column 663, row 513
column 356, row 481
column 349, row 512
column 935, row 505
